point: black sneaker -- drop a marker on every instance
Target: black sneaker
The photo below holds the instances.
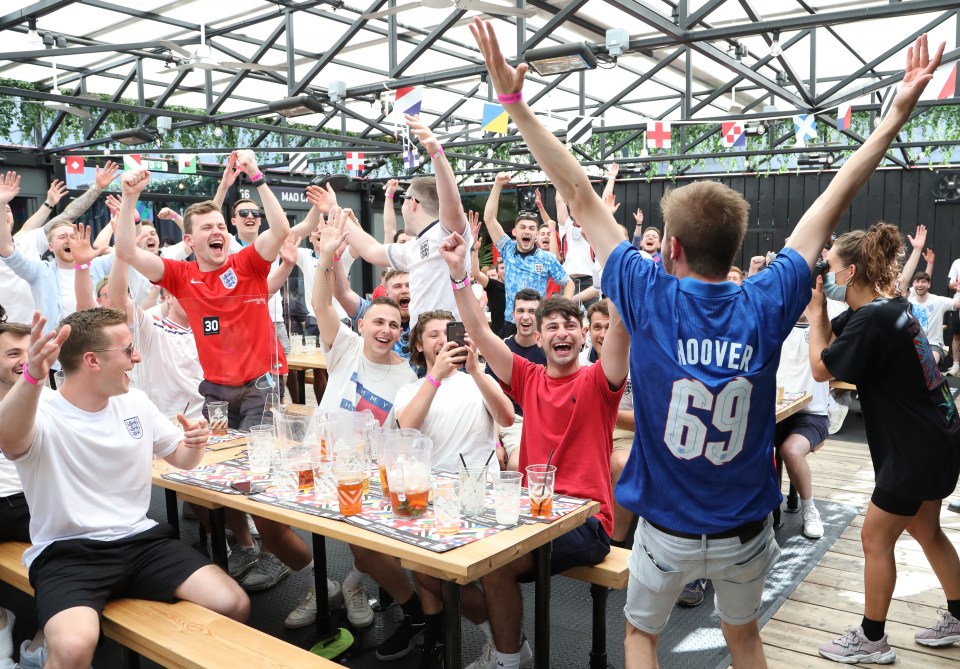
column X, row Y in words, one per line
column 402, row 641
column 693, row 593
column 431, row 658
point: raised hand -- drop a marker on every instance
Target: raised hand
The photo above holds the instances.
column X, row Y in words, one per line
column 81, row 245
column 612, row 171
column 113, row 204
column 106, row 175
column 323, row 199
column 167, row 214
column 195, row 435
column 56, row 192
column 539, row 198
column 44, row 348
column 230, row 170
column 502, row 178
column 453, row 250
column 288, row 251
column 919, row 239
column 929, row 256
column 392, row 185
column 506, row 79
column 918, row 73
column 611, row 201
column 133, row 183
column 473, row 217
column 423, row 132
column 449, row 360
column 247, row 162
column 9, row 187
column 333, row 235
column 638, row 216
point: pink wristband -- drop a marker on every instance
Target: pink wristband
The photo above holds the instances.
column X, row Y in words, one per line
column 389, row 196
column 433, row 381
column 136, row 217
column 510, row 98
column 85, row 265
column 436, row 155
column 257, row 178
column 29, row 379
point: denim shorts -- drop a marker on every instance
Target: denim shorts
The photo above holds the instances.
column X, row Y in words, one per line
column 662, row 564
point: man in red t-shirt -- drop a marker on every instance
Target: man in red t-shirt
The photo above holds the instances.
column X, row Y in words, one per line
column 225, row 297
column 577, row 433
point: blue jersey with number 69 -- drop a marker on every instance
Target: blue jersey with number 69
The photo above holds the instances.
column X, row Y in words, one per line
column 703, row 359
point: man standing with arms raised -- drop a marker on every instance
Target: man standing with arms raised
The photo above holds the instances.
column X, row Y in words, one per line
column 719, row 362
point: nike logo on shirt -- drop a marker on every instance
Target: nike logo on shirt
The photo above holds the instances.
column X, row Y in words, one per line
column 195, row 281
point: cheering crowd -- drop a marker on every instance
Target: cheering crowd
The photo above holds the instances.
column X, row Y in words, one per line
column 645, row 370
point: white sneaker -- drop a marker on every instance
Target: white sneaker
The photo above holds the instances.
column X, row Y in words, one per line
column 306, row 612
column 954, row 369
column 488, row 656
column 837, row 416
column 6, row 636
column 359, row 612
column 812, row 525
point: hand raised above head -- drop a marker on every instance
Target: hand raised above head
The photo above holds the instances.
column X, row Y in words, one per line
column 506, row 79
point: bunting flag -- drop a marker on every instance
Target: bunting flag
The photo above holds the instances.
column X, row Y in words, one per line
column 659, row 135
column 411, row 159
column 733, row 135
column 804, row 128
column 187, row 163
column 407, row 101
column 949, row 87
column 844, row 116
column 495, row 118
column 579, row 129
column 74, row 164
column 298, row 163
column 131, row 163
column 355, row 161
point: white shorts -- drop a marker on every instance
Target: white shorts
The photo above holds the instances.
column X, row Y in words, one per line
column 510, row 436
column 662, row 564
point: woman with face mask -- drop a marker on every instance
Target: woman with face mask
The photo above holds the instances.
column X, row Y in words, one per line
column 912, row 425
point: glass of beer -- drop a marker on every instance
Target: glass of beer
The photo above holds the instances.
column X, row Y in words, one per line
column 349, row 471
column 540, row 482
column 217, row 416
column 408, row 461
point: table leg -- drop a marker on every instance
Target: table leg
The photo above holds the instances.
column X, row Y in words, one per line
column 598, row 651
column 541, row 629
column 301, row 385
column 173, row 512
column 452, row 593
column 218, row 537
column 325, row 629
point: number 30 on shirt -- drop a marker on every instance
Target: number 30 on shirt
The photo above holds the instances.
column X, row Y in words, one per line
column 686, row 435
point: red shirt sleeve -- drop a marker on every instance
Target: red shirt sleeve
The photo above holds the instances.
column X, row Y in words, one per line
column 610, row 398
column 519, row 375
column 249, row 260
column 174, row 273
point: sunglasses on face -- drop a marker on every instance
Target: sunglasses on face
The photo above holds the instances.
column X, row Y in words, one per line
column 248, row 213
column 129, row 349
column 410, row 197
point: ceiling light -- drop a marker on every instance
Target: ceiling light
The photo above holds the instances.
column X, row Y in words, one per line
column 133, row 136
column 775, row 49
column 33, row 37
column 561, row 58
column 298, row 106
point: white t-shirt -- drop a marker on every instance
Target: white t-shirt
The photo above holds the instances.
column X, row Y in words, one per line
column 178, row 251
column 355, row 383
column 307, row 262
column 577, row 259
column 954, row 275
column 137, row 284
column 457, row 422
column 170, row 371
column 15, row 294
column 429, row 274
column 794, row 374
column 9, row 478
column 87, row 475
column 930, row 314
column 68, row 293
column 276, row 300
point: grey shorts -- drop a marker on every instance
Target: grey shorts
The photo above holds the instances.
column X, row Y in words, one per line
column 661, row 564
column 510, row 436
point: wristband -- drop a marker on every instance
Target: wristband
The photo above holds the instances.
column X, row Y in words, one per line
column 510, row 98
column 85, row 265
column 29, row 379
column 389, row 196
column 433, row 381
column 257, row 180
column 336, row 258
column 48, row 205
column 136, row 217
column 436, row 155
column 459, row 284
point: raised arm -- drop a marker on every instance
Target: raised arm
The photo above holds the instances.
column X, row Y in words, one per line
column 342, row 292
column 616, row 358
column 929, row 256
column 143, row 261
column 493, row 206
column 821, row 334
column 54, row 194
column 611, row 176
column 551, row 225
column 331, row 237
column 9, row 189
column 451, row 209
column 823, row 216
column 479, row 277
column 83, row 255
column 18, row 410
column 389, row 212
column 561, row 167
column 910, row 266
column 79, row 206
column 500, row 358
column 230, row 174
column 268, row 243
column 168, row 214
column 118, row 291
column 562, row 213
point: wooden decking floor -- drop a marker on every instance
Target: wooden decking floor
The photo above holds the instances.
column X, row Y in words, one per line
column 831, row 596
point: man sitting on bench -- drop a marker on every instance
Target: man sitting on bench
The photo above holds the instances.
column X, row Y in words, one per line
column 84, row 459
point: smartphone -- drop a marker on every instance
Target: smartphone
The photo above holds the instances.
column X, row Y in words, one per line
column 248, row 487
column 456, row 332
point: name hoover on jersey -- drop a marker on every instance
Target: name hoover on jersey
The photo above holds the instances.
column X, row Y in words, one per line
column 716, row 352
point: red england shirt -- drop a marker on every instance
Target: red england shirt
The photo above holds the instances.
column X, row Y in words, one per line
column 227, row 309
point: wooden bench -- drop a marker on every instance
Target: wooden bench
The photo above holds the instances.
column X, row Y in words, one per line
column 182, row 635
column 614, row 573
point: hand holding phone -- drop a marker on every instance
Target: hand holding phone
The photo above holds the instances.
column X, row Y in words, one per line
column 456, row 332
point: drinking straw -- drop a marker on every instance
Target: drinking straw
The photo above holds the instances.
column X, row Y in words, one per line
column 185, row 408
column 463, row 461
column 543, row 486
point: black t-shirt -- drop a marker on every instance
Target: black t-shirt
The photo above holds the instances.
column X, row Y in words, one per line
column 533, row 353
column 497, row 303
column 911, row 420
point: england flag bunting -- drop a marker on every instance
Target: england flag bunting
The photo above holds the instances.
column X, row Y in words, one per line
column 659, row 135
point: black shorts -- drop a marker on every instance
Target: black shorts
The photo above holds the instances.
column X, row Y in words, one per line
column 83, row 572
column 812, row 427
column 245, row 403
column 955, row 323
column 584, row 545
column 14, row 518
column 893, row 503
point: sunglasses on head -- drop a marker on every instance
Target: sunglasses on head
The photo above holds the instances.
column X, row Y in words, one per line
column 248, row 213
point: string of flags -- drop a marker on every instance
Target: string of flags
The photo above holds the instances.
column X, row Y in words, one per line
column 659, row 135
column 733, row 135
column 804, row 128
column 495, row 118
column 355, row 161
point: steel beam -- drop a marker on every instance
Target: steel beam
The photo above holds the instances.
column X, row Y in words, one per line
column 427, row 42
column 257, row 55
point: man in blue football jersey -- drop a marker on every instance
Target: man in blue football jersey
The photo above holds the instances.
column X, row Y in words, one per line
column 701, row 471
